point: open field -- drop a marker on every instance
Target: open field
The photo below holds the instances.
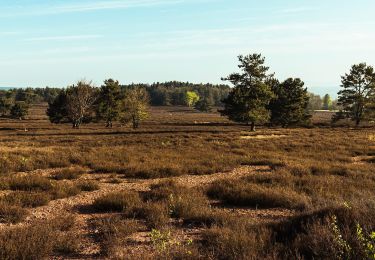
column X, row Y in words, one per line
column 186, row 185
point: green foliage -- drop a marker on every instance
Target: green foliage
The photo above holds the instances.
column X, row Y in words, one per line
column 191, row 98
column 173, row 93
column 108, row 103
column 358, row 94
column 367, row 242
column 248, row 101
column 344, row 248
column 5, row 105
column 327, row 102
column 315, row 102
column 160, row 239
column 57, row 111
column 19, row 110
column 73, row 104
column 204, row 105
column 290, row 105
column 164, row 243
column 134, row 107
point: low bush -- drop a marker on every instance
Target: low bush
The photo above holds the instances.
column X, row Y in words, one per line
column 68, row 174
column 240, row 193
column 34, row 242
column 38, row 241
column 64, row 190
column 163, row 190
column 27, row 199
column 88, row 186
column 155, row 214
column 11, row 214
column 30, row 183
column 125, row 201
column 66, row 243
column 239, row 242
column 112, row 231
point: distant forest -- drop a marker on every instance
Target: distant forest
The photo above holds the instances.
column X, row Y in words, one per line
column 171, row 93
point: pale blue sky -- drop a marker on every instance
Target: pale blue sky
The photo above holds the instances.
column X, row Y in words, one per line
column 58, row 42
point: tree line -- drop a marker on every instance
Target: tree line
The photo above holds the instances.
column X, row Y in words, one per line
column 257, row 97
column 174, row 93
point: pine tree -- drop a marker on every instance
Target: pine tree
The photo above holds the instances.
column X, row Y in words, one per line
column 248, row 100
column 357, row 96
column 108, row 102
column 289, row 107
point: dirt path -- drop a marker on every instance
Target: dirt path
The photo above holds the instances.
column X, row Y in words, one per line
column 79, row 205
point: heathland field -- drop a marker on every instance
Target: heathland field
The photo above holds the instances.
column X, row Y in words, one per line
column 186, row 185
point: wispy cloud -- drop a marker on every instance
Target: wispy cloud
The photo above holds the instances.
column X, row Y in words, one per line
column 295, row 10
column 83, row 6
column 64, row 38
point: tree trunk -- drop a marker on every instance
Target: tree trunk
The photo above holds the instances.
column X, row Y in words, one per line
column 357, row 121
column 135, row 122
column 252, row 129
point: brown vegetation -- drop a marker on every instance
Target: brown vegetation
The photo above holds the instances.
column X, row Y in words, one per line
column 319, row 182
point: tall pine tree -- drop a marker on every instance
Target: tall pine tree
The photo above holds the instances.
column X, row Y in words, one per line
column 248, row 100
column 358, row 94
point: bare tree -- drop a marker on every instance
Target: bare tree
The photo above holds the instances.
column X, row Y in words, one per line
column 80, row 99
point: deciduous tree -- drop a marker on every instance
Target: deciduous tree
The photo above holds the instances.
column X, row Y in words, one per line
column 135, row 106
column 74, row 104
column 327, row 102
column 191, row 98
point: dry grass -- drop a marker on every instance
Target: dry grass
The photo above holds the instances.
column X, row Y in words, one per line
column 240, row 193
column 38, row 241
column 112, row 232
column 27, row 199
column 11, row 214
column 125, row 202
column 312, row 174
column 68, row 174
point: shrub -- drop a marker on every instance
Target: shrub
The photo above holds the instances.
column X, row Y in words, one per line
column 236, row 242
column 37, row 241
column 64, row 222
column 11, row 214
column 68, row 174
column 27, row 199
column 30, row 183
column 155, row 214
column 66, row 243
column 125, row 201
column 64, row 190
column 34, row 242
column 88, row 186
column 240, row 193
column 163, row 190
column 112, row 231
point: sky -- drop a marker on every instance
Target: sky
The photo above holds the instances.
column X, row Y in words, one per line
column 58, row 42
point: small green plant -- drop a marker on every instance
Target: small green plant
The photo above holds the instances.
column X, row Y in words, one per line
column 163, row 242
column 161, row 239
column 367, row 241
column 344, row 248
